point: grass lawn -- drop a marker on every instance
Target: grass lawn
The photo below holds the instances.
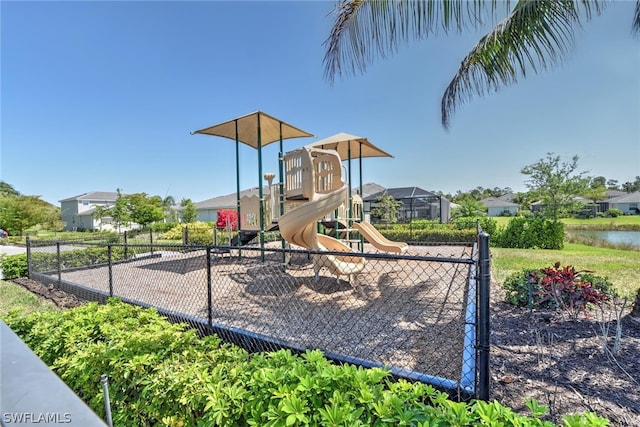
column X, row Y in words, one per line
column 620, row 266
column 15, row 296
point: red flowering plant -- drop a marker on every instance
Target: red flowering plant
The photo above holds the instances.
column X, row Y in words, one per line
column 227, row 219
column 568, row 289
column 557, row 287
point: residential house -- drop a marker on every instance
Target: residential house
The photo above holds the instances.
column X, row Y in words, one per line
column 208, row 209
column 501, row 206
column 78, row 211
column 629, row 203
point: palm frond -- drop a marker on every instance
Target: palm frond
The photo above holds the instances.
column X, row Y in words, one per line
column 536, row 35
column 364, row 29
column 636, row 19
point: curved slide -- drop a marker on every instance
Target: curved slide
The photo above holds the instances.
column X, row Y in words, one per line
column 373, row 236
column 299, row 227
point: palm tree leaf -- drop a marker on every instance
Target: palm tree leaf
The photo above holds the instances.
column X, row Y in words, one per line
column 365, row 29
column 536, row 35
column 636, row 18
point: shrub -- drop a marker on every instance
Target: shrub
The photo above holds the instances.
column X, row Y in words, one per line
column 438, row 235
column 162, row 227
column 489, row 225
column 557, row 287
column 531, row 232
column 14, row 266
column 613, row 212
column 162, row 374
column 198, row 233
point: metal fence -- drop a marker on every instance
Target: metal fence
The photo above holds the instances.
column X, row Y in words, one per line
column 424, row 314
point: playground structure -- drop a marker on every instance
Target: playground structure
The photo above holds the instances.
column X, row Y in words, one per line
column 315, row 191
column 316, row 179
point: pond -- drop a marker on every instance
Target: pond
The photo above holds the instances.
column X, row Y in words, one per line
column 615, row 237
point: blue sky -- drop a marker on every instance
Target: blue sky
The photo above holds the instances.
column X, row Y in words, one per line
column 103, row 95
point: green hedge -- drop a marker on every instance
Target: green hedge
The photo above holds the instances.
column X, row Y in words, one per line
column 442, row 235
column 531, row 233
column 163, row 374
column 14, row 266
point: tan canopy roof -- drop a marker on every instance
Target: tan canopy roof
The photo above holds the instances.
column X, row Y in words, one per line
column 341, row 142
column 248, row 125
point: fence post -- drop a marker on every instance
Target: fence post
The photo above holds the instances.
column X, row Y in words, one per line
column 59, row 266
column 484, row 283
column 209, row 301
column 109, row 251
column 126, row 246
column 151, row 240
column 28, row 257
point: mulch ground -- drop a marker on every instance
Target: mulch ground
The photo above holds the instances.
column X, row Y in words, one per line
column 566, row 365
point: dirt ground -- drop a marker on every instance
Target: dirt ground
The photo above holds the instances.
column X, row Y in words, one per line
column 561, row 363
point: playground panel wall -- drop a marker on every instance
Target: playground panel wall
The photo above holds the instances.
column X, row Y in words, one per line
column 407, row 312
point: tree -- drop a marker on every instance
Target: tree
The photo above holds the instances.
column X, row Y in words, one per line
column 535, row 35
column 386, row 209
column 17, row 213
column 595, row 191
column 556, row 184
column 7, row 190
column 144, row 209
column 169, row 208
column 630, row 187
column 613, row 184
column 119, row 213
column 189, row 213
column 469, row 208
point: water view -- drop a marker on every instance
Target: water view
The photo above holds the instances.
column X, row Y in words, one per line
column 615, row 237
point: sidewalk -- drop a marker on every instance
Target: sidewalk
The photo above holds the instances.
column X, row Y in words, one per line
column 12, row 250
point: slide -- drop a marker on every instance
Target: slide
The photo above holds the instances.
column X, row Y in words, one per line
column 373, row 236
column 299, row 227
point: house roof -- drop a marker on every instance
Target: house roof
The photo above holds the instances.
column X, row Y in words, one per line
column 615, row 193
column 508, row 197
column 229, row 201
column 497, row 202
column 369, row 189
column 626, row 198
column 105, row 196
column 403, row 193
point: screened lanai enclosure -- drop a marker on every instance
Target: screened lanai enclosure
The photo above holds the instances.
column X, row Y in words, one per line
column 415, row 203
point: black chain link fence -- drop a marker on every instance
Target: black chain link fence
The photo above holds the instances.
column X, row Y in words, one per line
column 417, row 313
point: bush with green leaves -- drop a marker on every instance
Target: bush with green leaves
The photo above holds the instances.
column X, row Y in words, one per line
column 163, row 374
column 531, row 233
column 556, row 287
column 488, row 225
column 436, row 235
column 13, row 266
column 198, row 233
column 613, row 213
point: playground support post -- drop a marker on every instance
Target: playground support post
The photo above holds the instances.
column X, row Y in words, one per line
column 281, row 196
column 260, row 191
column 238, row 190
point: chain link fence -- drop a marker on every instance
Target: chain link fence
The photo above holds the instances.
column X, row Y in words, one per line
column 417, row 314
